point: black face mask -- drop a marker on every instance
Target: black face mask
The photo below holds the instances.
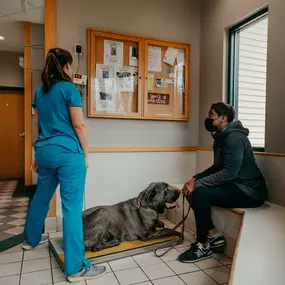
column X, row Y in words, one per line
column 209, row 125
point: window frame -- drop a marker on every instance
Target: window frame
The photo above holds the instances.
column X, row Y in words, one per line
column 233, row 53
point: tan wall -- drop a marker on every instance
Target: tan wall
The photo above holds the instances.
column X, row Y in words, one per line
column 11, row 74
column 167, row 19
column 218, row 15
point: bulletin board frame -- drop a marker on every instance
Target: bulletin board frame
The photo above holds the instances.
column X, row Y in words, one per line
column 142, row 94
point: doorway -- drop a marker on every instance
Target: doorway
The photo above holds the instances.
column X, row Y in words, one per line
column 12, row 143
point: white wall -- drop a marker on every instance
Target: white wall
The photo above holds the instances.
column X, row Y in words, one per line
column 116, row 177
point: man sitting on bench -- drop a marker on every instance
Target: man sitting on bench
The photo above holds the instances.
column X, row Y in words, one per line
column 233, row 181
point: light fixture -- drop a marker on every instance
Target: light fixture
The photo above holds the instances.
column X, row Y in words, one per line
column 2, row 38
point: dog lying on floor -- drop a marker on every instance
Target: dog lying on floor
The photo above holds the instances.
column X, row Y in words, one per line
column 137, row 218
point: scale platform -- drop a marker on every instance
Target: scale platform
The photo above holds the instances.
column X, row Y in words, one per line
column 125, row 249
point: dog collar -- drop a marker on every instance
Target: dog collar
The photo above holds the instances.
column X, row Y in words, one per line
column 138, row 203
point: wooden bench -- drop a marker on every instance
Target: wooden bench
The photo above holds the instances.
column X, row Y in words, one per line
column 259, row 257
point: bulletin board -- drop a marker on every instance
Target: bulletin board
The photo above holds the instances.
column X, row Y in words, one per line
column 133, row 77
column 167, row 73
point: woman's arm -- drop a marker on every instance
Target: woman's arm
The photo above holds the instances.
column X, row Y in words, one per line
column 80, row 129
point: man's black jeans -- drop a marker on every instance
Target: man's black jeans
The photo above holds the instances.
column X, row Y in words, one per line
column 225, row 196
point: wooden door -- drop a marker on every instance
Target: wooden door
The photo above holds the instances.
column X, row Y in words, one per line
column 12, row 140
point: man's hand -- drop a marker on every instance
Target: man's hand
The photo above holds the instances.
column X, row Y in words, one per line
column 189, row 187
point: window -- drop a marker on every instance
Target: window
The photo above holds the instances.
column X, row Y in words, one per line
column 247, row 74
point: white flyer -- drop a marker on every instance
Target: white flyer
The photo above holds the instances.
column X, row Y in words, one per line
column 170, row 81
column 133, row 58
column 170, row 55
column 126, row 78
column 181, row 57
column 154, row 59
column 106, row 92
column 161, row 83
column 104, row 71
column 113, row 52
column 178, row 70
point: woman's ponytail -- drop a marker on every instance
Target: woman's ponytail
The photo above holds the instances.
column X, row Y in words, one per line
column 54, row 67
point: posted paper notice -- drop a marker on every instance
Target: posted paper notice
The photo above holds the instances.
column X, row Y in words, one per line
column 170, row 56
column 105, row 92
column 154, row 59
column 113, row 52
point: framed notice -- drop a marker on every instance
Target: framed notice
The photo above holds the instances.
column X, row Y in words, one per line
column 134, row 77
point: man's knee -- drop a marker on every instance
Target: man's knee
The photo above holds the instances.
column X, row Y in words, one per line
column 200, row 195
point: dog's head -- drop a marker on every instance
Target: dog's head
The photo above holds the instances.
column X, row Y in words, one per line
column 158, row 196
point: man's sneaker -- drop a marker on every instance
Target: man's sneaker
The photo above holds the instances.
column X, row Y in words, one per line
column 217, row 241
column 27, row 246
column 87, row 274
column 195, row 253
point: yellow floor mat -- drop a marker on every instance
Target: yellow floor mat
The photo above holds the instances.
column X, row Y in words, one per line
column 124, row 246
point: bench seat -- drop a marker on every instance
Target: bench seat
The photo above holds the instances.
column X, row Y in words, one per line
column 259, row 257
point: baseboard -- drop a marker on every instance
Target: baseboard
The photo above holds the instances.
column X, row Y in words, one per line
column 50, row 225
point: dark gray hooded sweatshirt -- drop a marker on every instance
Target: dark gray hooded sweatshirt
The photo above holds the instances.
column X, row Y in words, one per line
column 234, row 162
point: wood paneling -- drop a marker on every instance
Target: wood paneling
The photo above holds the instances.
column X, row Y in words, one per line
column 50, row 42
column 28, row 102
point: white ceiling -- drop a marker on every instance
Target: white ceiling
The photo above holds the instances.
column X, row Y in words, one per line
column 12, row 17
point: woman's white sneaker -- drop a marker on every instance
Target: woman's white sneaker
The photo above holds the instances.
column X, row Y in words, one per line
column 26, row 246
column 87, row 274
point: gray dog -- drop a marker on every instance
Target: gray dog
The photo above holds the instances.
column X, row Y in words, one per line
column 137, row 218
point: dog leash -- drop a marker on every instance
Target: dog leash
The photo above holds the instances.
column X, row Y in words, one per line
column 172, row 244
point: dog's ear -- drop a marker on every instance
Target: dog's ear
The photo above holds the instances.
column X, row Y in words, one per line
column 146, row 196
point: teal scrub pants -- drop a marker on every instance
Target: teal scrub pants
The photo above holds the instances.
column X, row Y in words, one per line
column 58, row 165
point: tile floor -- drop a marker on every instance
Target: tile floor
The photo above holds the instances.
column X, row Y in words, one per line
column 39, row 267
column 12, row 211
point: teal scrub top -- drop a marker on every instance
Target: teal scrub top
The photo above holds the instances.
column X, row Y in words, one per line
column 54, row 121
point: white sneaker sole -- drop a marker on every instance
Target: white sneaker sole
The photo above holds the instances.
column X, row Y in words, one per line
column 78, row 279
column 29, row 247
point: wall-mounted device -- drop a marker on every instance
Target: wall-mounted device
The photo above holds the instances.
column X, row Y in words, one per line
column 21, row 61
column 80, row 79
column 78, row 49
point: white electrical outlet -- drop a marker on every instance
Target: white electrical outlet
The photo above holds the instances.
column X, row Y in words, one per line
column 78, row 49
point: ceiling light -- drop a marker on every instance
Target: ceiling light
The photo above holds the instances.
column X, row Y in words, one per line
column 2, row 38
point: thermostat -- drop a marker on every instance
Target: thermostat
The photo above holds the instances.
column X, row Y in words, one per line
column 79, row 79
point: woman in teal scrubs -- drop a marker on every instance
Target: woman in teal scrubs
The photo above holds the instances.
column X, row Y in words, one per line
column 61, row 157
